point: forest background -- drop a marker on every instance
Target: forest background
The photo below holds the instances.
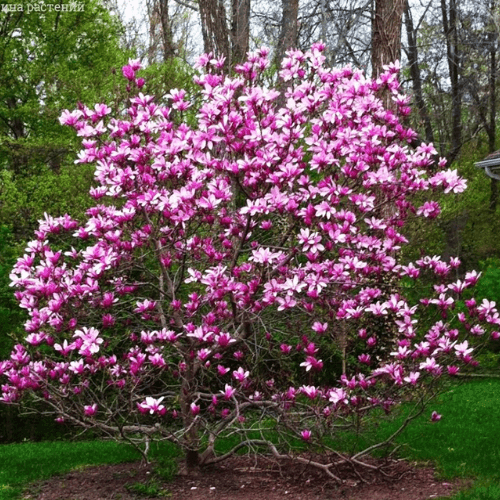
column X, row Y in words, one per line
column 60, row 54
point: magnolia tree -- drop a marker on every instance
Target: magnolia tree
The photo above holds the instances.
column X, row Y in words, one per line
column 241, row 271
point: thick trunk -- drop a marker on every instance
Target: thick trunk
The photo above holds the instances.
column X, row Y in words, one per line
column 166, row 29
column 386, row 33
column 192, row 459
column 191, row 443
column 240, row 30
column 214, row 29
column 493, row 195
column 386, row 39
column 289, row 29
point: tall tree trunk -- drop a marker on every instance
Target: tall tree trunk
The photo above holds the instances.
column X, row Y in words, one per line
column 450, row 19
column 289, row 29
column 214, row 29
column 386, row 33
column 166, row 29
column 491, row 128
column 415, row 74
column 240, row 30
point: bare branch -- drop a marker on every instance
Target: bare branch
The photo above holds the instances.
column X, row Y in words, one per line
column 185, row 4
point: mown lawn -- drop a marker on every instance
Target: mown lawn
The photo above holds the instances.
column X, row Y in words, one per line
column 23, row 463
column 464, row 443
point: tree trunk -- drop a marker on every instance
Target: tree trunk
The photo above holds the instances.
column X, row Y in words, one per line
column 415, row 75
column 214, row 29
column 289, row 29
column 240, row 30
column 491, row 128
column 453, row 55
column 191, row 444
column 192, row 459
column 166, row 30
column 386, row 33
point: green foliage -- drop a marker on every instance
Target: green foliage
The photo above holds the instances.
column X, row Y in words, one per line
column 478, row 239
column 166, row 468
column 25, row 200
column 49, row 61
column 150, row 489
column 488, row 286
column 172, row 74
column 11, row 316
column 466, row 227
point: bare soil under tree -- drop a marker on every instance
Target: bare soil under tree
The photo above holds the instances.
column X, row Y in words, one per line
column 249, row 478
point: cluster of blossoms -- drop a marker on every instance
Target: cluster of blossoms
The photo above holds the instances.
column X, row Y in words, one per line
column 233, row 260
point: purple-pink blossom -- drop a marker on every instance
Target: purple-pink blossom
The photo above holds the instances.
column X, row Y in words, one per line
column 257, row 241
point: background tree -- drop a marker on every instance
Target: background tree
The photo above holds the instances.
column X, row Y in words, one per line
column 47, row 61
column 288, row 35
column 386, row 33
column 223, row 36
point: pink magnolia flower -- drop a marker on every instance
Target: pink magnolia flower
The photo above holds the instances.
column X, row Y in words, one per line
column 240, row 374
column 285, row 348
column 435, row 417
column 90, row 410
column 224, row 339
column 312, row 362
column 152, row 406
column 65, row 348
column 310, row 391
column 430, row 365
column 337, row 396
column 364, row 358
column 412, row 378
column 463, row 349
column 128, row 72
column 90, row 341
column 222, row 370
column 228, row 392
column 306, row 435
column 319, row 327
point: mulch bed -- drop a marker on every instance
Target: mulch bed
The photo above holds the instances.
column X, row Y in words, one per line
column 246, row 478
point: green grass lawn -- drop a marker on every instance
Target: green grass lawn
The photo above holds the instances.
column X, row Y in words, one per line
column 23, row 463
column 464, row 443
column 26, row 462
column 467, row 439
